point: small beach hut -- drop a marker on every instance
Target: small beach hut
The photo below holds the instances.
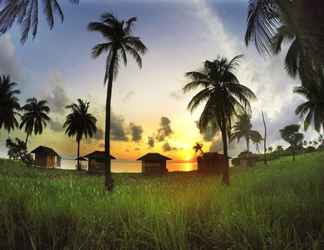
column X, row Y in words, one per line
column 46, row 157
column 154, row 164
column 212, row 162
column 96, row 162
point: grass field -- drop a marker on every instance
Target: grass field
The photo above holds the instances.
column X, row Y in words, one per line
column 276, row 207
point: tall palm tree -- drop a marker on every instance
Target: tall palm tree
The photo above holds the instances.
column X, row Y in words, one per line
column 257, row 139
column 243, row 129
column 291, row 135
column 9, row 104
column 80, row 123
column 312, row 110
column 301, row 22
column 118, row 42
column 223, row 96
column 35, row 117
column 198, row 147
column 26, row 14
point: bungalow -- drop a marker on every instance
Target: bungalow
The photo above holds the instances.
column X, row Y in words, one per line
column 96, row 161
column 46, row 157
column 212, row 162
column 154, row 164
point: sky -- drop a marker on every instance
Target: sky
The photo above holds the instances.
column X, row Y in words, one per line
column 149, row 109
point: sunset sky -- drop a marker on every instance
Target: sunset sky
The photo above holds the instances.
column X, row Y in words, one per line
column 179, row 35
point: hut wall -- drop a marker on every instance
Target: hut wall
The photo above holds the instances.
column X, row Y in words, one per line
column 95, row 166
column 212, row 165
column 154, row 167
column 45, row 161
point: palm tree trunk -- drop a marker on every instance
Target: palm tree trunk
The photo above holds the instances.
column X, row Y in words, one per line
column 108, row 177
column 26, row 141
column 265, row 140
column 78, row 159
column 247, row 144
column 226, row 177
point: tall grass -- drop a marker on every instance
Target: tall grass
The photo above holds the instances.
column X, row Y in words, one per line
column 276, row 207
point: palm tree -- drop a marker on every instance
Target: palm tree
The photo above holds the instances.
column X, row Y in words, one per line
column 35, row 117
column 257, row 139
column 300, row 22
column 198, row 147
column 25, row 13
column 243, row 128
column 80, row 123
column 312, row 110
column 223, row 95
column 118, row 42
column 291, row 135
column 9, row 104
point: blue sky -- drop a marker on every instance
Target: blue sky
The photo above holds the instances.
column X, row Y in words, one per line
column 179, row 35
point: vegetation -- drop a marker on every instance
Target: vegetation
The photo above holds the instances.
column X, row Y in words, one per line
column 264, row 208
column 26, row 14
column 80, row 123
column 224, row 97
column 198, row 148
column 9, row 104
column 119, row 41
column 291, row 135
column 35, row 117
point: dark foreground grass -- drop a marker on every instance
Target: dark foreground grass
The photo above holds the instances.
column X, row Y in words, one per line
column 275, row 207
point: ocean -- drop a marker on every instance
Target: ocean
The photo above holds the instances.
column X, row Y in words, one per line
column 130, row 166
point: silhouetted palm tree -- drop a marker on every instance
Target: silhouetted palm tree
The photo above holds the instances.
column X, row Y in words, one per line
column 26, row 14
column 291, row 135
column 9, row 104
column 198, row 148
column 243, row 128
column 257, row 139
column 80, row 123
column 300, row 22
column 224, row 97
column 118, row 42
column 313, row 109
column 35, row 117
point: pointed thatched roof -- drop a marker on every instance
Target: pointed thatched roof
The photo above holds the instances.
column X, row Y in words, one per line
column 153, row 157
column 44, row 150
column 98, row 155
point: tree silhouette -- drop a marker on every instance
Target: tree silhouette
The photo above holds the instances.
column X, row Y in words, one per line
column 80, row 123
column 291, row 135
column 9, row 104
column 223, row 95
column 118, row 42
column 25, row 13
column 198, row 147
column 35, row 117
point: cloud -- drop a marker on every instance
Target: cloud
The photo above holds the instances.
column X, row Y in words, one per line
column 8, row 60
column 99, row 134
column 58, row 100
column 56, row 126
column 117, row 128
column 165, row 129
column 167, row 147
column 151, row 141
column 136, row 132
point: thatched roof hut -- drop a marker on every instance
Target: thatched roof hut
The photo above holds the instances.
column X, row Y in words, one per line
column 96, row 161
column 212, row 162
column 46, row 157
column 154, row 164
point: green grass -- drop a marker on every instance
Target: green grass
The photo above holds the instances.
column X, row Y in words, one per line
column 276, row 207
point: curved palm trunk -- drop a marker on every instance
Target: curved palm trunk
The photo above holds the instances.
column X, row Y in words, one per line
column 26, row 141
column 78, row 159
column 265, row 140
column 109, row 184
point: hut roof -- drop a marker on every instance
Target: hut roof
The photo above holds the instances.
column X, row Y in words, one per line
column 44, row 150
column 153, row 157
column 81, row 159
column 213, row 155
column 98, row 154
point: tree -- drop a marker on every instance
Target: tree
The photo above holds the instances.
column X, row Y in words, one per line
column 80, row 123
column 223, row 96
column 35, row 117
column 291, row 135
column 9, row 104
column 265, row 139
column 25, row 13
column 270, row 149
column 257, row 139
column 243, row 128
column 17, row 150
column 300, row 22
column 119, row 41
column 198, row 147
column 280, row 149
column 312, row 110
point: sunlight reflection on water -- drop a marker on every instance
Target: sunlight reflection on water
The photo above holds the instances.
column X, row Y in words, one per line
column 125, row 166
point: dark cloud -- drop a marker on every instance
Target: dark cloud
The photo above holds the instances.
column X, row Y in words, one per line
column 165, row 129
column 56, row 126
column 136, row 132
column 117, row 128
column 58, row 100
column 99, row 135
column 234, row 148
column 167, row 147
column 208, row 134
column 151, row 141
